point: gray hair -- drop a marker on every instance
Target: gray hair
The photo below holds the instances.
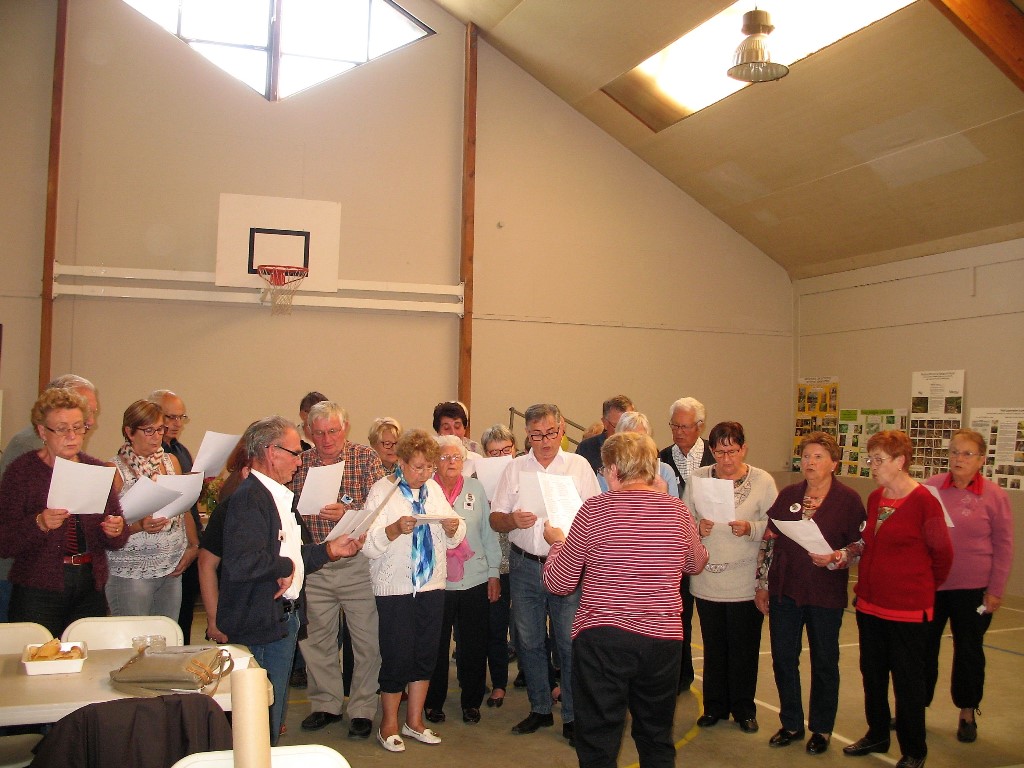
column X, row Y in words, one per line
column 541, row 410
column 689, row 404
column 71, row 381
column 495, row 434
column 454, row 440
column 261, row 434
column 326, row 409
column 633, row 421
column 379, row 426
column 157, row 395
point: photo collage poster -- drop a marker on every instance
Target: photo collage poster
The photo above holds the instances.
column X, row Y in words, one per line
column 855, row 427
column 936, row 412
column 817, row 410
column 1003, row 428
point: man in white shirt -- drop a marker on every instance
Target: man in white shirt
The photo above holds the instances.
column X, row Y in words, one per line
column 533, row 603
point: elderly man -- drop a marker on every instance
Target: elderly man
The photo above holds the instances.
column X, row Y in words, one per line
column 340, row 587
column 265, row 563
column 687, row 453
column 533, row 602
column 28, row 440
column 611, row 410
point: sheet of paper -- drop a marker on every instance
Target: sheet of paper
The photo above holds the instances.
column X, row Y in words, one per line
column 320, row 488
column 81, row 489
column 806, row 533
column 190, row 486
column 489, row 470
column 353, row 524
column 432, row 517
column 213, row 453
column 145, row 498
column 713, row 499
column 561, row 499
column 531, row 498
column 945, row 512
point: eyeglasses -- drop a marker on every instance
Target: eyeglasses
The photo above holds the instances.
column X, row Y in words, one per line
column 966, row 454
column 604, row 471
column 389, row 444
column 425, row 469
column 508, row 450
column 296, row 454
column 76, row 429
column 877, row 461
column 684, row 427
column 726, row 454
column 450, row 459
column 183, row 418
column 150, row 431
column 538, row 437
column 322, row 433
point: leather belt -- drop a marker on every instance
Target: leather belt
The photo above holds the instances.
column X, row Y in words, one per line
column 527, row 555
column 82, row 558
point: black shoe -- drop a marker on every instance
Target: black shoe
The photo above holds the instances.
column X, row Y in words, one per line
column 434, row 715
column 866, row 746
column 706, row 721
column 569, row 732
column 318, row 720
column 784, row 738
column 967, row 731
column 910, row 762
column 470, row 715
column 749, row 725
column 298, row 679
column 495, row 702
column 818, row 743
column 532, row 722
column 520, row 681
column 360, row 728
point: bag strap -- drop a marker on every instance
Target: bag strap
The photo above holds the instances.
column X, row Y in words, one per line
column 208, row 675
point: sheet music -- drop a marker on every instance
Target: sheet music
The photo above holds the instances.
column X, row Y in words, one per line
column 321, row 488
column 81, row 489
column 806, row 533
column 189, row 486
column 713, row 499
column 144, row 498
column 214, row 452
column 561, row 499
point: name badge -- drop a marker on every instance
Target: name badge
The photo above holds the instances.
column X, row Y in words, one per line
column 469, row 502
column 346, row 499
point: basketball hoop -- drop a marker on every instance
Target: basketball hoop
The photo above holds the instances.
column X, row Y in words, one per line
column 282, row 282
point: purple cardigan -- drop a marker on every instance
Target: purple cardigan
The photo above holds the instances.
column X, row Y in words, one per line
column 792, row 573
column 39, row 557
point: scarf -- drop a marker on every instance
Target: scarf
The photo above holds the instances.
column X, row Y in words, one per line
column 457, row 556
column 141, row 466
column 422, row 540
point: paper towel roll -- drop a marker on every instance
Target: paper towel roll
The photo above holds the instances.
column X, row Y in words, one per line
column 250, row 718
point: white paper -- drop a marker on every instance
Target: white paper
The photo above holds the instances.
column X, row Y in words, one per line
column 945, row 512
column 354, row 523
column 320, row 488
column 81, row 489
column 714, row 499
column 214, row 452
column 144, row 498
column 432, row 517
column 531, row 498
column 489, row 471
column 561, row 499
column 190, row 486
column 806, row 533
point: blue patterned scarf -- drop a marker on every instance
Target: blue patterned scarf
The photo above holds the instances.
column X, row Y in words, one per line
column 422, row 541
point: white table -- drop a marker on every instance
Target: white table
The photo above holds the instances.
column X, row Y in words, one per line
column 27, row 699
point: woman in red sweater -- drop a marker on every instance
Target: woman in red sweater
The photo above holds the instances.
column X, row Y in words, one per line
column 905, row 554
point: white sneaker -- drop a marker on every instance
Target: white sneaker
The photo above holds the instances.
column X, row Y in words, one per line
column 391, row 743
column 427, row 736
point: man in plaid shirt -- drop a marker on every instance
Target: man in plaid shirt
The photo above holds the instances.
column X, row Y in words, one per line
column 342, row 586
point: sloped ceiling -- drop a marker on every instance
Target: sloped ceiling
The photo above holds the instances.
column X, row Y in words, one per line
column 899, row 141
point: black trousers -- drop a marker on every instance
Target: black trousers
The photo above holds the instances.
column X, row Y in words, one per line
column 686, row 658
column 896, row 648
column 56, row 610
column 732, row 643
column 615, row 671
column 960, row 608
column 468, row 610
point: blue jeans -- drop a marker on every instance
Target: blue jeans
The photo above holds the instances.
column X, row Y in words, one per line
column 276, row 658
column 786, row 621
column 533, row 604
column 144, row 597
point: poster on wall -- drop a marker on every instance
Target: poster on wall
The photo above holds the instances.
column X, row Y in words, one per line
column 1003, row 429
column 817, row 410
column 855, row 427
column 936, row 412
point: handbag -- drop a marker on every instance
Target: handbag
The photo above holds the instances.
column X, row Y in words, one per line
column 189, row 668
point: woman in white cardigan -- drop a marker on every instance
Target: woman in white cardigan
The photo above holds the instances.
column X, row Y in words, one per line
column 408, row 569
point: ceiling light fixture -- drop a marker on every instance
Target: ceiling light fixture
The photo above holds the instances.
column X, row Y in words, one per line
column 752, row 62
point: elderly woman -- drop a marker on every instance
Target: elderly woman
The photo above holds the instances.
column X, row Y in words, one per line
column 145, row 575
column 630, row 547
column 383, row 438
column 472, row 586
column 796, row 590
column 730, row 622
column 905, row 556
column 982, row 556
column 60, row 560
column 452, row 418
column 408, row 567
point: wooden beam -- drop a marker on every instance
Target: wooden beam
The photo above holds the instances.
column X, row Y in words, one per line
column 52, row 179
column 468, row 218
column 996, row 27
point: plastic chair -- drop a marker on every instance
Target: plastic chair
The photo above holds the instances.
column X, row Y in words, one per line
column 298, row 756
column 14, row 637
column 16, row 751
column 99, row 632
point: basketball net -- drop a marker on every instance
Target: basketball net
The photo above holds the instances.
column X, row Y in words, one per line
column 282, row 282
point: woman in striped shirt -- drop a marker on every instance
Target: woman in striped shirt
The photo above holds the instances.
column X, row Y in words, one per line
column 631, row 547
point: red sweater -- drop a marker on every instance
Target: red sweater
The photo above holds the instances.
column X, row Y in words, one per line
column 905, row 561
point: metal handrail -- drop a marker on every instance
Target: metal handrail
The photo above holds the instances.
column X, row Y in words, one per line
column 513, row 412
